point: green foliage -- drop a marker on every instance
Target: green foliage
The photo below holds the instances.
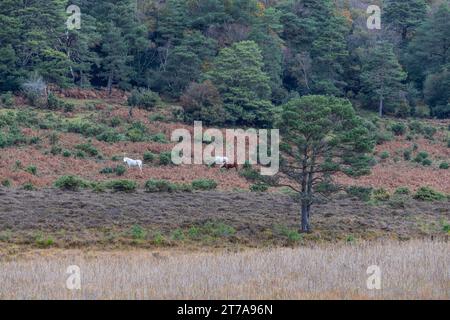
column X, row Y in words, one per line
column 6, row 183
column 344, row 140
column 44, row 242
column 381, row 195
column 428, row 194
column 362, row 193
column 245, row 88
column 421, row 157
column 259, row 187
column 218, row 229
column 255, row 53
column 165, row 158
column 121, row 185
column 444, row 165
column 385, row 155
column 204, row 184
column 28, row 186
column 138, row 233
column 178, row 235
column 203, row 102
column 7, row 99
column 143, row 98
column 382, row 77
column 31, row 169
column 159, row 137
column 87, row 148
column 153, row 186
column 292, row 236
column 402, row 191
column 118, row 170
column 157, row 117
column 427, row 162
column 149, row 157
column 407, row 154
column 398, row 129
column 71, row 183
column 54, row 103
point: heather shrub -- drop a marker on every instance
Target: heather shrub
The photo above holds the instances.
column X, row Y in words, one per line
column 71, row 183
column 6, row 183
column 160, row 186
column 121, row 185
column 259, row 187
column 165, row 158
column 149, row 157
column 428, row 194
column 444, row 166
column 385, row 155
column 7, row 99
column 381, row 195
column 144, row 98
column 87, row 148
column 402, row 191
column 204, row 184
column 362, row 193
column 398, row 129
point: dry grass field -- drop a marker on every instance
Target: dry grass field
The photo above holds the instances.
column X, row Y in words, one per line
column 410, row 270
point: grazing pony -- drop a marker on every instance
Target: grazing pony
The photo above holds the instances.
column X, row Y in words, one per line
column 229, row 166
column 133, row 163
column 221, row 160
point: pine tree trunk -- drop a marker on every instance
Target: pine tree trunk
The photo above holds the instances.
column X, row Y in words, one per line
column 305, row 227
column 110, row 80
column 381, row 107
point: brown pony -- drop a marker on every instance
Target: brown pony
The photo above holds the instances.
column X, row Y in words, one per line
column 229, row 166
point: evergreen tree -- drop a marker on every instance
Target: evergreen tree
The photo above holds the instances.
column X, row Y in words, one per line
column 79, row 46
column 429, row 51
column 325, row 137
column 437, row 93
column 382, row 75
column 245, row 88
column 265, row 33
column 115, row 65
column 186, row 63
column 405, row 16
column 321, row 40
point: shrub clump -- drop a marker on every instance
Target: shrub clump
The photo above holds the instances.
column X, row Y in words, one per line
column 381, row 195
column 71, row 183
column 444, row 166
column 259, row 187
column 428, row 194
column 149, row 157
column 384, row 155
column 165, row 158
column 143, row 98
column 204, row 184
column 160, row 186
column 118, row 170
column 398, row 129
column 87, row 148
column 402, row 191
column 362, row 193
column 121, row 185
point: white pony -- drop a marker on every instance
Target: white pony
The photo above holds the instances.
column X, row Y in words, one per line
column 133, row 163
column 221, row 160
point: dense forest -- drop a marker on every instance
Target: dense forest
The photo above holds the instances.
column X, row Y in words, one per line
column 236, row 61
